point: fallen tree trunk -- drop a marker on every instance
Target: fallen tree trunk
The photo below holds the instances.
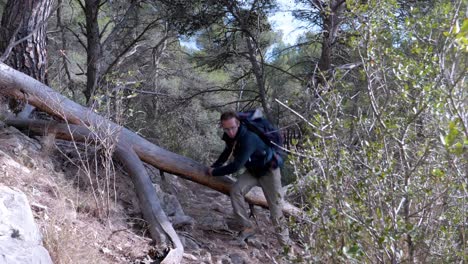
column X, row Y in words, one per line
column 16, row 84
column 80, row 133
column 149, row 202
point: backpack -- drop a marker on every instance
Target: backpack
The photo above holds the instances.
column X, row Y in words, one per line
column 257, row 123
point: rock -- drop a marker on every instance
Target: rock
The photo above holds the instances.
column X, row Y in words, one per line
column 19, row 252
column 233, row 224
column 20, row 240
column 253, row 241
column 190, row 256
column 6, row 161
column 239, row 243
column 205, row 257
column 179, row 221
column 256, row 253
column 213, row 222
column 173, row 209
column 189, row 244
column 16, row 216
column 26, row 159
column 224, row 260
column 239, row 258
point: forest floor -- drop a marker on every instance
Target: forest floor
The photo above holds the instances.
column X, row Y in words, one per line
column 83, row 223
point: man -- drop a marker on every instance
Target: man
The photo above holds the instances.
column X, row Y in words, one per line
column 249, row 150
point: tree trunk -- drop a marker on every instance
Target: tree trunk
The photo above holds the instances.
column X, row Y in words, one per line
column 257, row 69
column 94, row 50
column 26, row 19
column 150, row 205
column 332, row 18
column 16, row 84
column 23, row 42
column 64, row 47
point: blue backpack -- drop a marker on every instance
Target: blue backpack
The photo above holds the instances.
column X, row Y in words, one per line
column 257, row 123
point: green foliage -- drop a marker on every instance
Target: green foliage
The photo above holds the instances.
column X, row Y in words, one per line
column 384, row 178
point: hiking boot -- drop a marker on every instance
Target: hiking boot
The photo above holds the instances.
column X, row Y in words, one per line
column 246, row 233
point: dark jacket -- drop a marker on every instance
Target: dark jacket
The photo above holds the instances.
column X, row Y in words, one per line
column 249, row 151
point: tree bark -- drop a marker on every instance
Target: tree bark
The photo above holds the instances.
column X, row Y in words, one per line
column 26, row 19
column 331, row 21
column 258, row 71
column 94, row 50
column 64, row 46
column 150, row 205
column 23, row 42
column 332, row 16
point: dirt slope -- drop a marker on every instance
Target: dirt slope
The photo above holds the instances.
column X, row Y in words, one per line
column 89, row 223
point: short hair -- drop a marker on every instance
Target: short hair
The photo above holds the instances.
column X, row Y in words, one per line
column 228, row 115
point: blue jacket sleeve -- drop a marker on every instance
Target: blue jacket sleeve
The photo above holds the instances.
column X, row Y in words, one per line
column 246, row 149
column 222, row 158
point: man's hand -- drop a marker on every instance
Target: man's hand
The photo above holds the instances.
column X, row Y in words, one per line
column 210, row 171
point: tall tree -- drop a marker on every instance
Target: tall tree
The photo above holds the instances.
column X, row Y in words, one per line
column 328, row 16
column 23, row 36
column 23, row 42
column 93, row 48
column 234, row 34
column 239, row 39
column 109, row 44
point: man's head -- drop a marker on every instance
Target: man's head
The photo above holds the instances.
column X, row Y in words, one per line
column 230, row 123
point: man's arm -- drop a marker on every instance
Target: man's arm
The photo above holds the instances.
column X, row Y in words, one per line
column 222, row 158
column 247, row 148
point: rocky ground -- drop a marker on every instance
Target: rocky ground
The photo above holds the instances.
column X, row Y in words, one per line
column 101, row 222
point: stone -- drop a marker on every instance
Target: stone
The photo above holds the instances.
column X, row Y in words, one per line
column 16, row 251
column 224, row 260
column 256, row 253
column 189, row 256
column 171, row 206
column 205, row 257
column 253, row 241
column 179, row 221
column 239, row 258
column 20, row 239
column 189, row 244
column 6, row 161
column 16, row 215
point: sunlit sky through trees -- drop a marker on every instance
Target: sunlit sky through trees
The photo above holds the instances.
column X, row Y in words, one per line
column 281, row 20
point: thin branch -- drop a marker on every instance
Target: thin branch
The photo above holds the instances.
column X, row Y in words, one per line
column 78, row 38
column 214, row 91
column 234, row 102
column 284, row 71
column 13, row 43
column 118, row 26
column 126, row 49
column 81, row 5
column 104, row 29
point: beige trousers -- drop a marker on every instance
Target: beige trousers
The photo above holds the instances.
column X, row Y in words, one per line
column 271, row 186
